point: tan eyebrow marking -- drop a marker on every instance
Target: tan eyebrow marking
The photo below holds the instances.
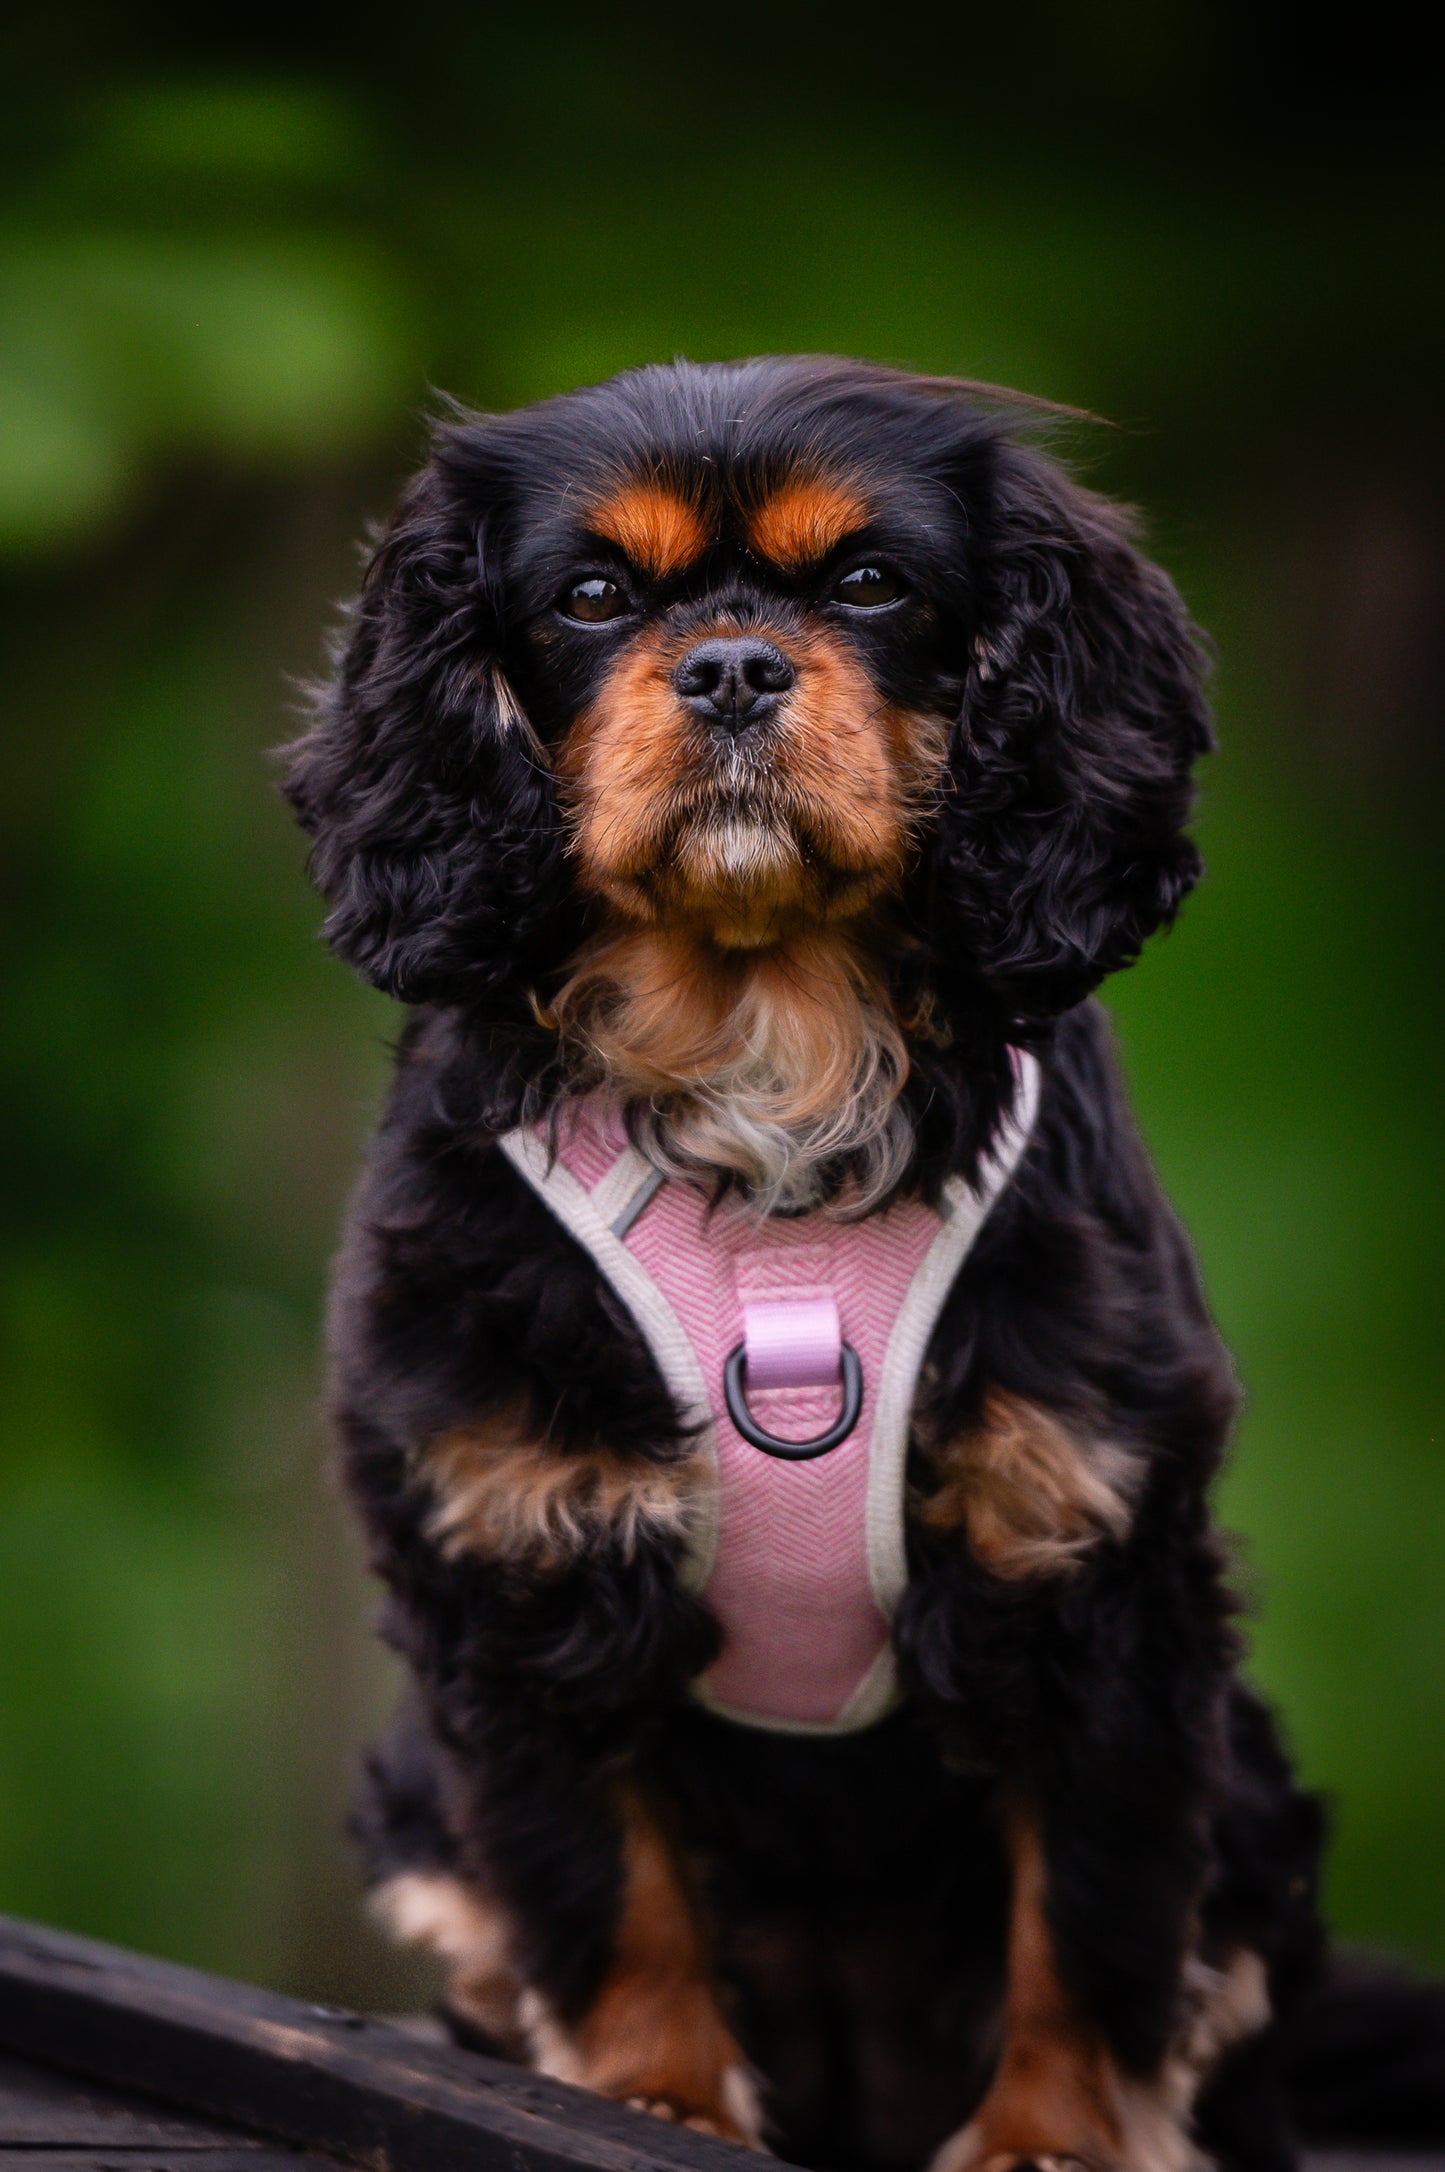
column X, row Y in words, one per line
column 802, row 521
column 660, row 530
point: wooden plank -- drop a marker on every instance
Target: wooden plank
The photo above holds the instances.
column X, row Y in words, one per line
column 40, row 2109
column 324, row 2080
column 43, row 2110
column 1372, row 2160
column 138, row 2157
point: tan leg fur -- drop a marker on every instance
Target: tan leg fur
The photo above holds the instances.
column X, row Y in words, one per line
column 655, row 2036
column 1058, row 2101
column 1030, row 1497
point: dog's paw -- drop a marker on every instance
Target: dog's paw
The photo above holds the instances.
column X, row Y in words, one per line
column 1148, row 2136
column 733, row 2118
column 671, row 2059
column 700, row 2122
column 1040, row 2160
column 975, row 2150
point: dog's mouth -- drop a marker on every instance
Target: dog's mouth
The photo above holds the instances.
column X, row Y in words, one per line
column 753, row 865
column 739, row 784
column 743, row 829
column 743, row 844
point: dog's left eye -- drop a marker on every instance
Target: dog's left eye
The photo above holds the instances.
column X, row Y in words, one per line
column 594, row 600
column 868, row 586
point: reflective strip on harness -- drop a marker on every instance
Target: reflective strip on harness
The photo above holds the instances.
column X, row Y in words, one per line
column 801, row 1562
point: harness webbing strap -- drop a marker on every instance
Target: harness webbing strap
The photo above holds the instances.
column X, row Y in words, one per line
column 792, row 1342
column 645, row 1193
column 966, row 1209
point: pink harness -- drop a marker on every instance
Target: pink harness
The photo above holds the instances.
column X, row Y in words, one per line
column 801, row 1559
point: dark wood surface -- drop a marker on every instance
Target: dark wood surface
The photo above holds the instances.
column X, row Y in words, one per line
column 51, row 2119
column 43, row 2109
column 110, row 2062
column 220, row 2062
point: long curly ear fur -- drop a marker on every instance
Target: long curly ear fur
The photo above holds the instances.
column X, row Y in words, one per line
column 1059, row 845
column 436, row 837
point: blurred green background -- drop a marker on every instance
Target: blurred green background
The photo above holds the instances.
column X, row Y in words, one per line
column 232, row 261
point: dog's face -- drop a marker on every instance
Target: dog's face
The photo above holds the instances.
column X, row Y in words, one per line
column 745, row 672
column 780, row 672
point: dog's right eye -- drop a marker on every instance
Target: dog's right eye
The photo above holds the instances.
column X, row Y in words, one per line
column 594, row 600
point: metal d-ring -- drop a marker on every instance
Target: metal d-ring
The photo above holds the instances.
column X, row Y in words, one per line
column 793, row 1451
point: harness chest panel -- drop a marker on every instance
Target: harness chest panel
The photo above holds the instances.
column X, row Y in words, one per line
column 801, row 1562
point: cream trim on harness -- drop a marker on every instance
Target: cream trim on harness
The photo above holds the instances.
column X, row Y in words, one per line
column 589, row 1217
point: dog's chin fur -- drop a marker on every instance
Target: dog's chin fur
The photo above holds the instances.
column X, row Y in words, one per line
column 778, row 1070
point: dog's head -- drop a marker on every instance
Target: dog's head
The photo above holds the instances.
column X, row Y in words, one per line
column 713, row 703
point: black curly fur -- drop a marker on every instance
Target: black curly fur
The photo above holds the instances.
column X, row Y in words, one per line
column 858, row 1885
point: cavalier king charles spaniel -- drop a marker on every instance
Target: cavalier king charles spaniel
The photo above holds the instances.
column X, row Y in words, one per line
column 745, row 774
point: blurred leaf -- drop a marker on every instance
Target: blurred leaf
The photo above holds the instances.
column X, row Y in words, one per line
column 195, row 132
column 61, row 470
column 154, row 306
column 126, row 347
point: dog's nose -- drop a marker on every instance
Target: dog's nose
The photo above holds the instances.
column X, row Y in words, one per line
column 733, row 680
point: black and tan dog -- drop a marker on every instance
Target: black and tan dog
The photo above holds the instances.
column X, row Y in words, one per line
column 773, row 752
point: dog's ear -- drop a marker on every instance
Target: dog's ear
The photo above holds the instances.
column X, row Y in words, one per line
column 1060, row 844
column 435, row 833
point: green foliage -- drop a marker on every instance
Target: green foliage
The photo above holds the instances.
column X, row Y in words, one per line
column 175, row 283
column 228, row 274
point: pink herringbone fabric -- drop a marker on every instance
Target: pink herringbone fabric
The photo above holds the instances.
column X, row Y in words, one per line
column 790, row 1581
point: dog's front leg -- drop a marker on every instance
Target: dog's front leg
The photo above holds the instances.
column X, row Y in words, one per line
column 530, row 1859
column 1057, row 2097
column 1083, row 1653
column 1061, row 2095
column 650, row 2031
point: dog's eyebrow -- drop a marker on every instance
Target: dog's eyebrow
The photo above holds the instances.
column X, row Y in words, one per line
column 805, row 519
column 660, row 530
